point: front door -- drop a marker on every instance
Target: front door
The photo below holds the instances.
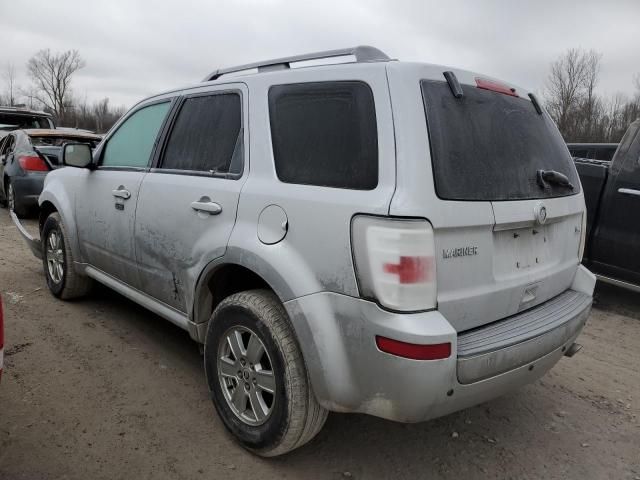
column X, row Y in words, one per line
column 187, row 204
column 106, row 198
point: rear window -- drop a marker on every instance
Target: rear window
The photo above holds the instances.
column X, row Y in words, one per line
column 489, row 146
column 49, row 141
column 10, row 121
column 325, row 134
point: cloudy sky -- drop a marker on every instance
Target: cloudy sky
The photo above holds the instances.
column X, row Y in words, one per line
column 134, row 48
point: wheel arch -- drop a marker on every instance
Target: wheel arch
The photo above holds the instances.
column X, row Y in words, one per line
column 223, row 277
column 58, row 201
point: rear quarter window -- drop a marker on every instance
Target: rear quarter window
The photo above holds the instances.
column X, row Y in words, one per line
column 325, row 134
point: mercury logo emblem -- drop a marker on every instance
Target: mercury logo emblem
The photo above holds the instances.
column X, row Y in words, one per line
column 540, row 213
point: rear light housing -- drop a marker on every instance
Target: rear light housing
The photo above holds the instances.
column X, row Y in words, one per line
column 395, row 262
column 33, row 163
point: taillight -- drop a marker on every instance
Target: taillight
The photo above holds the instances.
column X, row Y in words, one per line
column 394, row 262
column 32, row 163
column 495, row 87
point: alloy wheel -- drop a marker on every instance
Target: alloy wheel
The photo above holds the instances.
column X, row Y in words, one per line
column 246, row 376
column 11, row 198
column 55, row 256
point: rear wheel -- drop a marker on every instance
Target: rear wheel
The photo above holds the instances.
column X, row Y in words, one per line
column 62, row 279
column 257, row 377
column 12, row 201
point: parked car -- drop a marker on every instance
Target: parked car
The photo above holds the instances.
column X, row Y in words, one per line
column 397, row 239
column 612, row 195
column 26, row 156
column 16, row 118
column 593, row 151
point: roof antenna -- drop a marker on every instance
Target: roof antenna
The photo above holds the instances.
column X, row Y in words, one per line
column 454, row 85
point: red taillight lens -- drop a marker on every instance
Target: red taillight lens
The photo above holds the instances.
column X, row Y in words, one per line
column 411, row 269
column 495, row 87
column 33, row 163
column 414, row 351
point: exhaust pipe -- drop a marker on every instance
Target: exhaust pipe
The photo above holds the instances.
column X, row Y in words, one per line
column 572, row 350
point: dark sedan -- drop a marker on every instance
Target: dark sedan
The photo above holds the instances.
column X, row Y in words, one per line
column 26, row 156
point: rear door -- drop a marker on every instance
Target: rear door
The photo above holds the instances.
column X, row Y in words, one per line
column 615, row 243
column 505, row 241
column 105, row 198
column 188, row 202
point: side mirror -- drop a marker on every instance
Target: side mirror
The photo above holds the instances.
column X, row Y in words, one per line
column 77, row 155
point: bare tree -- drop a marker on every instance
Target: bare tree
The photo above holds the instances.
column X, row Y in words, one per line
column 572, row 79
column 9, row 76
column 51, row 74
column 591, row 101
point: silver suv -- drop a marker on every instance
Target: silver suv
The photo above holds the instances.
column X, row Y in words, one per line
column 342, row 232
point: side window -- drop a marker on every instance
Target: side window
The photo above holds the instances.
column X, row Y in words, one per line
column 207, row 135
column 8, row 145
column 325, row 134
column 131, row 144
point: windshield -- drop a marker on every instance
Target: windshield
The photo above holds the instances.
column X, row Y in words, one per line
column 12, row 121
column 489, row 146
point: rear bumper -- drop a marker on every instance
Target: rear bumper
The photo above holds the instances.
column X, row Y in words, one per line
column 349, row 373
column 34, row 244
column 28, row 188
column 518, row 340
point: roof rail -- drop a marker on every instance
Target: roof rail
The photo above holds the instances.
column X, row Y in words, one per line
column 363, row 53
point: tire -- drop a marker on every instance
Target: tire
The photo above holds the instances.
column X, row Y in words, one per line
column 12, row 201
column 3, row 196
column 294, row 415
column 63, row 281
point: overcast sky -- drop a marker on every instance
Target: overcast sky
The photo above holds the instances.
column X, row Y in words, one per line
column 133, row 48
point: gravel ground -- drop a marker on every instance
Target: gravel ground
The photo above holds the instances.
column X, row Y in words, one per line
column 102, row 389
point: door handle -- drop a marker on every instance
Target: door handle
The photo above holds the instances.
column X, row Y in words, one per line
column 629, row 191
column 212, row 208
column 121, row 193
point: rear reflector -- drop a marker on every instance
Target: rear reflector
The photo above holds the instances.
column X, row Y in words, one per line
column 495, row 87
column 413, row 351
column 33, row 164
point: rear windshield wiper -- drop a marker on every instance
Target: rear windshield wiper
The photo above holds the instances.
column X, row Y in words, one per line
column 554, row 177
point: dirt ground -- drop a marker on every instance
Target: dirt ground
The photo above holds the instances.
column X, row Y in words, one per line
column 102, row 389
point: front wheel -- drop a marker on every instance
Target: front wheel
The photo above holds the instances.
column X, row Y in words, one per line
column 62, row 279
column 257, row 377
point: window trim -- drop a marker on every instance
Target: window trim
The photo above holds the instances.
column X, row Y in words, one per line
column 375, row 121
column 156, row 166
column 103, row 145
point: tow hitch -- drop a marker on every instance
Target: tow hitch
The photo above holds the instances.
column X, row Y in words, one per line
column 572, row 350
